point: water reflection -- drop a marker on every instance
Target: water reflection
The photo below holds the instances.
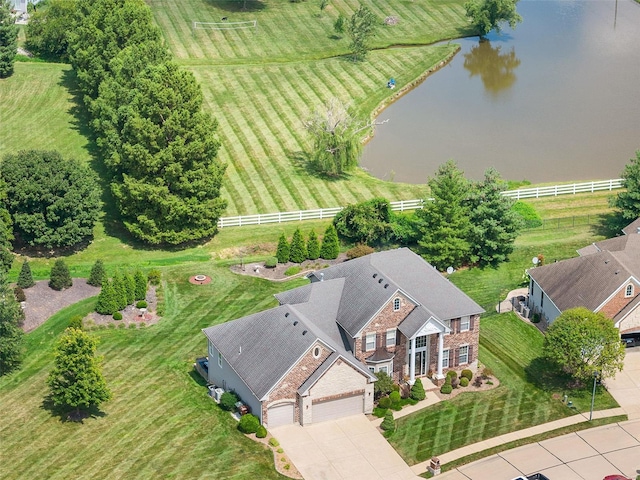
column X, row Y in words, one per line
column 496, row 69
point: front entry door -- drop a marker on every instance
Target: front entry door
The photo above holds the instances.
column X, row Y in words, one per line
column 421, row 363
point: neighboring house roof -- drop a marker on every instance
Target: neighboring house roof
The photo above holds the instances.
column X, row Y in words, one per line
column 589, row 280
column 633, row 227
column 263, row 347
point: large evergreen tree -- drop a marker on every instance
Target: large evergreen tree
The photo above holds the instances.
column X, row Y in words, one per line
column 11, row 335
column 283, row 250
column 25, row 278
column 60, row 277
column 494, row 224
column 6, row 232
column 330, row 248
column 627, row 202
column 313, row 246
column 444, row 221
column 130, row 283
column 298, row 250
column 54, row 201
column 120, row 290
column 76, row 380
column 141, row 285
column 107, row 304
column 8, row 39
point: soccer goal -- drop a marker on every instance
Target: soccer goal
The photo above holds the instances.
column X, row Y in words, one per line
column 224, row 25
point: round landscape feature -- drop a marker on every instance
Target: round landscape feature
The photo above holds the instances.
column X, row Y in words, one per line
column 200, row 280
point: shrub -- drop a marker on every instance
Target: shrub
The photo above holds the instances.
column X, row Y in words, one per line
column 117, row 316
column 330, row 248
column 154, row 277
column 130, row 286
column 535, row 318
column 395, row 398
column 25, row 279
column 313, row 246
column 384, row 402
column 60, row 277
column 455, row 382
column 19, row 294
column 75, row 322
column 261, row 432
column 468, row 374
column 388, row 423
column 280, row 450
column 383, row 385
column 106, row 303
column 292, row 270
column 249, row 423
column 446, row 389
column 486, row 373
column 298, row 249
column 464, row 382
column 417, row 390
column 228, row 401
column 273, row 442
column 141, row 304
column 477, row 382
column 271, row 262
column 452, row 374
column 359, row 250
column 282, row 253
column 97, row 274
column 528, row 213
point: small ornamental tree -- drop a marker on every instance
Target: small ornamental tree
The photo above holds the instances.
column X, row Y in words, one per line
column 298, row 249
column 388, row 423
column 106, row 303
column 313, row 246
column 11, row 335
column 282, row 253
column 384, row 384
column 360, row 28
column 25, row 279
column 141, row 285
column 76, row 380
column 417, row 390
column 97, row 274
column 130, row 283
column 120, row 291
column 330, row 245
column 583, row 343
column 60, row 277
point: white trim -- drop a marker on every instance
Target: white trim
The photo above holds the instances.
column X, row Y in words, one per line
column 622, row 285
column 445, row 329
column 399, row 302
column 468, row 320
column 459, row 348
column 627, row 293
column 367, row 336
column 386, row 338
column 317, row 349
column 398, row 291
column 446, row 357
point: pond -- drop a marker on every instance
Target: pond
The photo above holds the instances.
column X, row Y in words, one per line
column 556, row 99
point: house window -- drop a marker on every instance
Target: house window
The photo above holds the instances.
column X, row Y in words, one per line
column 391, row 337
column 396, row 304
column 464, row 323
column 317, row 351
column 541, row 299
column 371, row 342
column 447, row 323
column 445, row 358
column 219, row 359
column 629, row 291
column 421, row 341
column 463, row 355
column 383, row 368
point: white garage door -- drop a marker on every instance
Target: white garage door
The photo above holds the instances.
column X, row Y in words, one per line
column 343, row 407
column 280, row 415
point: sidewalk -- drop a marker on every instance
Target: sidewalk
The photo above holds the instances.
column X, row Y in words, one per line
column 517, row 435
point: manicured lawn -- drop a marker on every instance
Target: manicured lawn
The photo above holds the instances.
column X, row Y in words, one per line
column 160, row 423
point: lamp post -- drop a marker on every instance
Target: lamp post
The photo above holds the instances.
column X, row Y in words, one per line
column 593, row 394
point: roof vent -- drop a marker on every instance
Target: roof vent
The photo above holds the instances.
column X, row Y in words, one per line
column 380, row 280
column 295, row 323
column 606, row 261
column 304, row 332
column 617, row 272
column 375, row 275
column 386, row 285
column 240, row 349
column 638, row 230
column 286, row 314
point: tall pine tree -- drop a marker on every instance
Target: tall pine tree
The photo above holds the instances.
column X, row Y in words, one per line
column 313, row 246
column 25, row 279
column 107, row 304
column 282, row 253
column 8, row 39
column 11, row 335
column 141, row 285
column 330, row 244
column 298, row 250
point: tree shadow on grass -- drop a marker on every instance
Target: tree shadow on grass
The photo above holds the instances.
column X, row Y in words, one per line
column 301, row 162
column 610, row 225
column 65, row 415
column 548, row 377
column 238, row 6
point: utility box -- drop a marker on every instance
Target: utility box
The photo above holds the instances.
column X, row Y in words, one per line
column 434, row 466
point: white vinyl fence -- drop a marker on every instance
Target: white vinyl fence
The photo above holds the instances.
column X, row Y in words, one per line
column 403, row 205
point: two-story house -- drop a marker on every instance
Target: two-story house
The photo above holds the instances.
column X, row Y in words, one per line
column 314, row 357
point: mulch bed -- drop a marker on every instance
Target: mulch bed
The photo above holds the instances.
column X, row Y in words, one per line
column 130, row 315
column 43, row 301
column 257, row 269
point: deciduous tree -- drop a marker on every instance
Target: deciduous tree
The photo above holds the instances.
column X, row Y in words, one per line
column 76, row 380
column 48, row 29
column 494, row 225
column 583, row 343
column 11, row 335
column 60, row 277
column 54, row 202
column 365, row 222
column 444, row 221
column 361, row 28
column 488, row 15
column 8, row 39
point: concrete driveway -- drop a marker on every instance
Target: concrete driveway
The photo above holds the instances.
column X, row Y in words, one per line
column 348, row 448
column 625, row 387
column 587, row 455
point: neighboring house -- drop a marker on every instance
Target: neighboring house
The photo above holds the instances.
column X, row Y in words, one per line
column 604, row 278
column 313, row 358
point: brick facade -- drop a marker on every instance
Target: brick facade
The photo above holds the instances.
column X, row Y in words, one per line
column 288, row 387
column 618, row 301
column 454, row 341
